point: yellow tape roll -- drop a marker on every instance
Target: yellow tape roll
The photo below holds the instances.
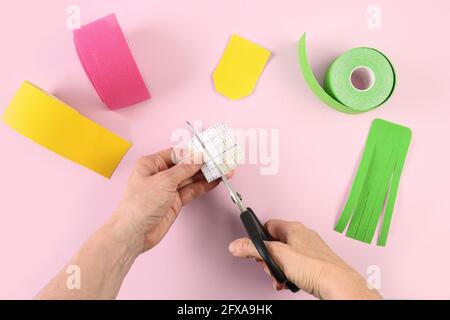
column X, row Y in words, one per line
column 55, row 125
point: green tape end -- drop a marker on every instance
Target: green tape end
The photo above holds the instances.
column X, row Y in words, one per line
column 314, row 85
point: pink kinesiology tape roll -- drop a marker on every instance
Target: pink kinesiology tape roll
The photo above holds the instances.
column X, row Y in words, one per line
column 109, row 64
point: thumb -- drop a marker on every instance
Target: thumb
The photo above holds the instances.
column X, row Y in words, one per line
column 183, row 171
column 302, row 270
column 282, row 253
column 188, row 164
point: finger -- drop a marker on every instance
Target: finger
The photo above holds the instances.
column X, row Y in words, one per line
column 195, row 189
column 276, row 285
column 196, row 177
column 186, row 168
column 285, row 231
column 277, row 229
column 299, row 269
column 187, row 156
column 266, row 269
column 280, row 252
column 168, row 156
column 182, row 171
column 151, row 164
column 243, row 248
column 199, row 176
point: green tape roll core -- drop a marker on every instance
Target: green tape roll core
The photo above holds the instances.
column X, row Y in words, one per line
column 338, row 91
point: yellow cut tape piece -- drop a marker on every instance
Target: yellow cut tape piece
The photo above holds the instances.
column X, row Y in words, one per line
column 239, row 68
column 53, row 124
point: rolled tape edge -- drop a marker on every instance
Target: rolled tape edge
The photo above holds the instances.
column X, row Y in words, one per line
column 13, row 120
column 378, row 59
column 314, row 85
column 394, row 74
column 95, row 69
column 328, row 97
column 88, row 74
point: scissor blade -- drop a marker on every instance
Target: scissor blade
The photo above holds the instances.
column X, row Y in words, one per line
column 234, row 195
column 205, row 149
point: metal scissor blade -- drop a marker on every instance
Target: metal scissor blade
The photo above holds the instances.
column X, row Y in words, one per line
column 236, row 197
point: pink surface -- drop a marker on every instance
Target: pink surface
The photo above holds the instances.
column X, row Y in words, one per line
column 109, row 64
column 49, row 206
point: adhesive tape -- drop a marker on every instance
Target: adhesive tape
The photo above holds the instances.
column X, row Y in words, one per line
column 109, row 64
column 53, row 124
column 357, row 81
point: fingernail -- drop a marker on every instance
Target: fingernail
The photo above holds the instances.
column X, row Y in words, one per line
column 232, row 247
column 176, row 155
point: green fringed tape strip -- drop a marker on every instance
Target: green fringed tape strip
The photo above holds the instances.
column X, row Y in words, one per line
column 375, row 186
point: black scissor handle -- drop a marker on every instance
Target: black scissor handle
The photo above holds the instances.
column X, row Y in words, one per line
column 258, row 235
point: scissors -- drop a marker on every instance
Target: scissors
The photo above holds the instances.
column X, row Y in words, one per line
column 253, row 226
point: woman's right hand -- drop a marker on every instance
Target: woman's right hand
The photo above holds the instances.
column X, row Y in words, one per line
column 308, row 262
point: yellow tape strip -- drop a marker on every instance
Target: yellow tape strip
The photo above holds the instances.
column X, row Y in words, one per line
column 239, row 68
column 53, row 124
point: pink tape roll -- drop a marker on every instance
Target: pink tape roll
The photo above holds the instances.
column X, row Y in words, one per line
column 109, row 64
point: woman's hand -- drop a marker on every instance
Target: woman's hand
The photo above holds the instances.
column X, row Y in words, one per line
column 157, row 190
column 308, row 262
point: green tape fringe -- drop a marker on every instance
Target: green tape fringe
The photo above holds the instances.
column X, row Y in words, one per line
column 374, row 190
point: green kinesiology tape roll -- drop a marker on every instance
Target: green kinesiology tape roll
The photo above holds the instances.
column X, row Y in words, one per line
column 357, row 81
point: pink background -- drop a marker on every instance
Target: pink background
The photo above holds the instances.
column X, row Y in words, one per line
column 49, row 205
